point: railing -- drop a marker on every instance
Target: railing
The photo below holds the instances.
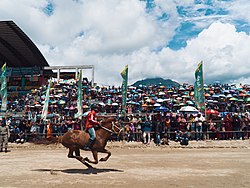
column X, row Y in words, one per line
column 138, row 137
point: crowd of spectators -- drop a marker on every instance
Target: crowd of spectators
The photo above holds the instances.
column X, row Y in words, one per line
column 153, row 112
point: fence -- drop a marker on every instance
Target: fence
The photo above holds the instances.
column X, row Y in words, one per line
column 138, row 136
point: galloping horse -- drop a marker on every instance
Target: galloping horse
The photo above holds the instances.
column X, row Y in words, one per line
column 76, row 139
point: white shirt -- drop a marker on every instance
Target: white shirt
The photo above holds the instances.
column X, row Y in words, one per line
column 199, row 120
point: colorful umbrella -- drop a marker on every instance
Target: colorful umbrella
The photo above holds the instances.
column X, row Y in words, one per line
column 161, row 109
column 212, row 112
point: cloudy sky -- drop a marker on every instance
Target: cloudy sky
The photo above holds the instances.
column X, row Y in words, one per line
column 160, row 38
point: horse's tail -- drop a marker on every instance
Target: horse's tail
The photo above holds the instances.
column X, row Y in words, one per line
column 55, row 140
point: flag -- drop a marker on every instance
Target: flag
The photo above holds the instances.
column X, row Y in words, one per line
column 124, row 75
column 46, row 104
column 79, row 96
column 199, row 88
column 3, row 90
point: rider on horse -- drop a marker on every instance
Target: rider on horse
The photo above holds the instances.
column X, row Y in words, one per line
column 90, row 124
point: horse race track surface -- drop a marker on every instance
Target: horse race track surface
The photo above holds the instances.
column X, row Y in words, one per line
column 201, row 164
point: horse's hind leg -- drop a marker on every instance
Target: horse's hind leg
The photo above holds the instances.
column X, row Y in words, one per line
column 107, row 157
column 78, row 157
column 77, row 152
column 95, row 156
column 70, row 154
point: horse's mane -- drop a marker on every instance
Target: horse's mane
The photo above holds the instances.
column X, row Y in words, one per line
column 106, row 120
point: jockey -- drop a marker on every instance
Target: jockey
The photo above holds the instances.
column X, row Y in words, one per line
column 90, row 124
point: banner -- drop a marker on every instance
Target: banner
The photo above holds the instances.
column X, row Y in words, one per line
column 3, row 89
column 199, row 88
column 124, row 75
column 46, row 104
column 79, row 96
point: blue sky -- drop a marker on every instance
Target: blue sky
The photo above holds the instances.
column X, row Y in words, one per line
column 156, row 38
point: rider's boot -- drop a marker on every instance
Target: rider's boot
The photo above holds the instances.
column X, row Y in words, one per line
column 88, row 145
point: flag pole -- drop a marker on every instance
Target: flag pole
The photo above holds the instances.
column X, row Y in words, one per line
column 3, row 90
column 124, row 75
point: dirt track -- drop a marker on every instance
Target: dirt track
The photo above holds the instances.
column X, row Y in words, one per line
column 201, row 164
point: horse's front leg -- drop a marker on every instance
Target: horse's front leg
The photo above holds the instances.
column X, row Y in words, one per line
column 107, row 157
column 95, row 156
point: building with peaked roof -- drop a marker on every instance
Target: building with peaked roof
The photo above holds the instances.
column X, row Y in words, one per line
column 17, row 49
column 26, row 66
column 24, row 60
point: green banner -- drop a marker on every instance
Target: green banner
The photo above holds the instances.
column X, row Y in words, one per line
column 46, row 104
column 199, row 88
column 3, row 89
column 79, row 95
column 124, row 75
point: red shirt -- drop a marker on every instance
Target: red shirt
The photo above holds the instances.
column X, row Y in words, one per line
column 90, row 121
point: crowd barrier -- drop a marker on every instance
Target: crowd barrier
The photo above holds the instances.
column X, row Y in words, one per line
column 137, row 136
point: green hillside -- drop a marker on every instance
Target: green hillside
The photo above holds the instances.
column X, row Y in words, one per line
column 156, row 81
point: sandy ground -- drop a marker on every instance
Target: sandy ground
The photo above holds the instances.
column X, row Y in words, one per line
column 201, row 164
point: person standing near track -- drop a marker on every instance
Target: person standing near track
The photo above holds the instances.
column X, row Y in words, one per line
column 4, row 135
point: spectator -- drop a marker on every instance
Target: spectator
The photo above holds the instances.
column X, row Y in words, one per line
column 198, row 123
column 49, row 129
column 4, row 135
column 244, row 126
column 174, row 124
column 227, row 122
column 146, row 128
column 236, row 122
column 191, row 126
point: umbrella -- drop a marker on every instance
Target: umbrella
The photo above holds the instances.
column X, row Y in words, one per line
column 190, row 102
column 222, row 96
column 161, row 109
column 157, row 105
column 188, row 109
column 85, row 106
column 229, row 96
column 61, row 102
column 182, row 104
column 212, row 112
column 159, row 100
column 233, row 99
column 49, row 116
column 161, row 93
column 38, row 105
column 102, row 103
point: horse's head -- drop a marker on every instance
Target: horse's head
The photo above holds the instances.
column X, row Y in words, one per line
column 111, row 125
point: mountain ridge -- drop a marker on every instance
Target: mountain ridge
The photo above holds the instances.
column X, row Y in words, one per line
column 156, row 81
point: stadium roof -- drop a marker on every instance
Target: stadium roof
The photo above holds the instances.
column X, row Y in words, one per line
column 17, row 49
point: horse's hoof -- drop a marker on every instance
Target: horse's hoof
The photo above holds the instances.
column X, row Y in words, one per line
column 86, row 159
column 102, row 159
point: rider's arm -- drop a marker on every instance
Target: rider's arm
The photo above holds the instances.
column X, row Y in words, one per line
column 93, row 121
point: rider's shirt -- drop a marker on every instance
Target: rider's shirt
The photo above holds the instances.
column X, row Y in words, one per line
column 90, row 122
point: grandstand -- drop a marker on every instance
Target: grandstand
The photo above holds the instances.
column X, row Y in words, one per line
column 26, row 66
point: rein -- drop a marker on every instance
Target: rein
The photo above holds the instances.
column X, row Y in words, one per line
column 113, row 130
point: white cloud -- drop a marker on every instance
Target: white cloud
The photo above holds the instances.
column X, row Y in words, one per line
column 239, row 9
column 112, row 33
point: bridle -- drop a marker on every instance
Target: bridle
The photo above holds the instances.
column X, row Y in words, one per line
column 112, row 129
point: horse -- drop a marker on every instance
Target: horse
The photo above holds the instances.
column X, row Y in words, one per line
column 76, row 139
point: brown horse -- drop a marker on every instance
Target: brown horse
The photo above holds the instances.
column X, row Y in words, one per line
column 76, row 139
